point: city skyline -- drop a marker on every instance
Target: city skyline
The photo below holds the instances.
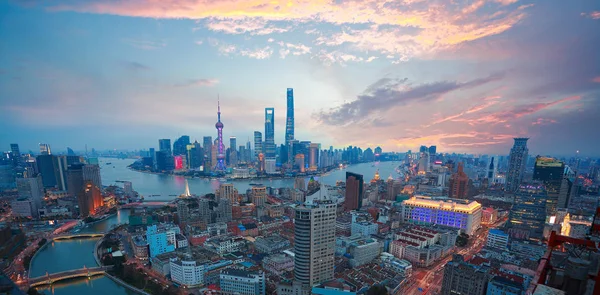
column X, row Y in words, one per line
column 489, row 72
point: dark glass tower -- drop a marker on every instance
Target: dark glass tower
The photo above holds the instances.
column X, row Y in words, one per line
column 528, row 214
column 516, row 166
column 270, row 133
column 550, row 171
column 289, row 123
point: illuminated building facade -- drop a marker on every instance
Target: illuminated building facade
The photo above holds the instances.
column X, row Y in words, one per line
column 550, row 172
column 462, row 214
column 220, row 165
column 269, row 133
column 528, row 214
column 289, row 123
column 516, row 166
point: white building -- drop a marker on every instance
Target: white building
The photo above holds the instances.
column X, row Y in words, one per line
column 365, row 229
column 189, row 273
column 237, row 281
column 497, row 239
column 270, row 167
column 24, row 207
column 462, row 214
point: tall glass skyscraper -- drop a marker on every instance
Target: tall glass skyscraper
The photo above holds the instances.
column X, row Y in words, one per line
column 258, row 144
column 289, row 123
column 516, row 166
column 550, row 171
column 528, row 213
column 270, row 133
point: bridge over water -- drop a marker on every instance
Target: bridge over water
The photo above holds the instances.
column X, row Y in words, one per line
column 49, row 279
column 66, row 236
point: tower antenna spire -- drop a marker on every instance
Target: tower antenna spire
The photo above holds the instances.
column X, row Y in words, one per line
column 219, row 107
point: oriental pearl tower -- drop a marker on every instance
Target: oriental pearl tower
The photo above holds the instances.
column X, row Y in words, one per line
column 220, row 167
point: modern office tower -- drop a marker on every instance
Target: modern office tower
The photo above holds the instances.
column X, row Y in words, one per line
column 459, row 184
column 75, row 180
column 207, row 146
column 258, row 144
column 378, row 151
column 233, row 159
column 293, row 148
column 461, row 277
column 31, row 188
column 289, row 123
column 164, row 145
column 243, row 282
column 195, row 155
column 220, row 164
column 180, row 145
column 45, row 165
column 550, row 172
column 242, row 154
column 314, row 241
column 259, row 195
column 527, row 217
column 248, row 151
column 433, row 150
column 164, row 161
column 70, row 152
column 313, row 156
column 60, row 171
column 354, row 191
column 423, row 149
column 45, row 149
column 517, row 163
column 299, row 163
column 491, row 171
column 92, row 173
column 462, row 214
column 269, row 133
column 228, row 192
column 15, row 154
column 152, row 153
column 270, row 166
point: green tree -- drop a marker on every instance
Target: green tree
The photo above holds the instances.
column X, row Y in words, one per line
column 377, row 290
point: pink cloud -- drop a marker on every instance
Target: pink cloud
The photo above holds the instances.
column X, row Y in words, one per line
column 592, row 15
column 541, row 121
column 597, row 79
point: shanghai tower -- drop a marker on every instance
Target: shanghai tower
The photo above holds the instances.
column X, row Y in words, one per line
column 289, row 123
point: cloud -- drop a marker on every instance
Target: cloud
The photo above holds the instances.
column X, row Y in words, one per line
column 596, row 79
column 517, row 112
column 387, row 93
column 506, row 2
column 470, row 110
column 592, row 15
column 135, row 66
column 542, row 121
column 260, row 53
column 145, row 44
column 409, row 28
column 198, row 83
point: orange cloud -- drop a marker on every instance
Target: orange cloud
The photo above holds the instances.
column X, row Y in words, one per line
column 597, row 79
column 403, row 29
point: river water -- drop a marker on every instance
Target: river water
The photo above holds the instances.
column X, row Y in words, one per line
column 156, row 187
column 72, row 254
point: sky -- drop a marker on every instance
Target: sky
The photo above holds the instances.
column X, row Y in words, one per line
column 467, row 76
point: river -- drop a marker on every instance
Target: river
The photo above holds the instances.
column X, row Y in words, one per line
column 158, row 187
column 72, row 254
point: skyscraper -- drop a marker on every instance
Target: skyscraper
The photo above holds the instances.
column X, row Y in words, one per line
column 75, row 180
column 459, row 184
column 45, row 149
column 269, row 132
column 179, row 146
column 517, row 163
column 207, row 146
column 90, row 200
column 164, row 145
column 220, row 165
column 528, row 214
column 258, row 146
column 233, row 159
column 92, row 173
column 354, row 191
column 314, row 241
column 550, row 172
column 15, row 154
column 45, row 165
column 491, row 173
column 289, row 123
column 313, row 156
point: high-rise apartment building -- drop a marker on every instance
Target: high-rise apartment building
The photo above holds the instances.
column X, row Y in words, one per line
column 354, row 191
column 289, row 123
column 164, row 145
column 270, row 133
column 517, row 162
column 459, row 184
column 313, row 156
column 550, row 172
column 180, row 145
column 258, row 144
column 90, row 200
column 527, row 217
column 242, row 282
column 31, row 188
column 462, row 278
column 15, row 154
column 259, row 195
column 314, row 241
column 228, row 192
column 92, row 173
column 45, row 149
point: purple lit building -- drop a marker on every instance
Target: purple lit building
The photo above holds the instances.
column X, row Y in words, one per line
column 462, row 214
column 220, row 167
